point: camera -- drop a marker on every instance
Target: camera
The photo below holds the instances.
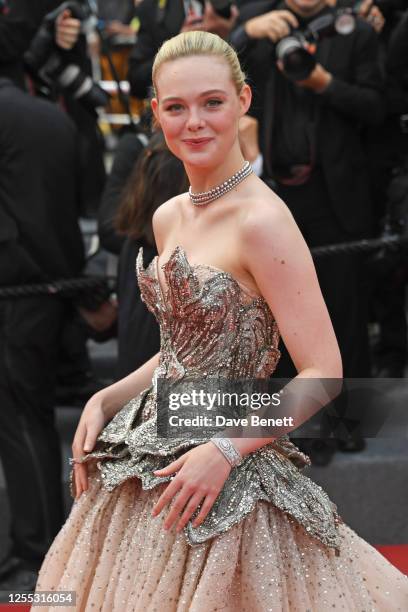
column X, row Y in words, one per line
column 294, row 50
column 46, row 63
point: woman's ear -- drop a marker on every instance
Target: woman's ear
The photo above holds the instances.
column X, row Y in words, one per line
column 154, row 103
column 245, row 98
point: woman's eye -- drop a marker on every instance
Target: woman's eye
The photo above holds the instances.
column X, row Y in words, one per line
column 174, row 107
column 214, row 102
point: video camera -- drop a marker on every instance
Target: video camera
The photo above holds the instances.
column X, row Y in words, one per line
column 53, row 67
column 294, row 50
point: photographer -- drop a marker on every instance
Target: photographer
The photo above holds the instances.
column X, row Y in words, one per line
column 58, row 63
column 19, row 22
column 310, row 138
column 162, row 20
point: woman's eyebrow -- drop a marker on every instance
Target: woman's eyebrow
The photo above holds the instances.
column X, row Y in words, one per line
column 202, row 95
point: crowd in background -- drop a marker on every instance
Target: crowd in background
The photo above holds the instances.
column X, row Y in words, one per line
column 327, row 130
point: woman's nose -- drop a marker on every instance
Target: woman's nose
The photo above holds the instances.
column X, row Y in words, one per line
column 194, row 121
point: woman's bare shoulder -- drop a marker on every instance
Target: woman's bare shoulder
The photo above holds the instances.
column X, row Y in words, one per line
column 167, row 209
column 165, row 216
column 266, row 215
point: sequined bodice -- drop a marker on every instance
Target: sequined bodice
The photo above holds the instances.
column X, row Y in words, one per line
column 210, row 324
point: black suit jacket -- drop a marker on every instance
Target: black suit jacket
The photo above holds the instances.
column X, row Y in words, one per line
column 353, row 99
column 39, row 234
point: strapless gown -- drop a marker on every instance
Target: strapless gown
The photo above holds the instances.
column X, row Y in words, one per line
column 273, row 540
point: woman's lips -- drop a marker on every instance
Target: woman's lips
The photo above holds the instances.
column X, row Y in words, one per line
column 197, row 142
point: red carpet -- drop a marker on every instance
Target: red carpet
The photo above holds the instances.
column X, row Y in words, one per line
column 397, row 555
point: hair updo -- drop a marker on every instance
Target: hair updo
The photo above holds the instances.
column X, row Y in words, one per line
column 188, row 44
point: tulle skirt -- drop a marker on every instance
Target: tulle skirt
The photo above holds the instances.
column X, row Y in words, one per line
column 118, row 558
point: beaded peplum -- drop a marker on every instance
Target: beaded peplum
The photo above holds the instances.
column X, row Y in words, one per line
column 211, row 326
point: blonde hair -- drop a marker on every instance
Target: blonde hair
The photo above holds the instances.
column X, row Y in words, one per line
column 188, row 44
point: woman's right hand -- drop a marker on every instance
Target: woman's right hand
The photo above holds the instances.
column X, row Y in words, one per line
column 91, row 423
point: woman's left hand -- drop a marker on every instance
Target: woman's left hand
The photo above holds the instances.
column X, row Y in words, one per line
column 201, row 474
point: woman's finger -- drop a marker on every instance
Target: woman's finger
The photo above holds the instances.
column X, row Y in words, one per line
column 78, row 489
column 178, row 506
column 90, row 439
column 172, row 467
column 80, row 470
column 205, row 508
column 81, row 478
column 189, row 510
column 166, row 497
column 83, row 475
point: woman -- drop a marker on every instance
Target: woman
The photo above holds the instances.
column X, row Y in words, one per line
column 257, row 534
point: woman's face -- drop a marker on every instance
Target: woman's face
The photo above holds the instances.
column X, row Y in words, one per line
column 198, row 108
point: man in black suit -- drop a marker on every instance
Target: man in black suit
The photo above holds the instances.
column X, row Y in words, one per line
column 310, row 140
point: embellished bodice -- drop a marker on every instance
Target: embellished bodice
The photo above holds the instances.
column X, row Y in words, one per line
column 210, row 324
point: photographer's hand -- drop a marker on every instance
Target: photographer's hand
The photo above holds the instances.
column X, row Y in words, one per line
column 372, row 14
column 103, row 318
column 274, row 25
column 216, row 24
column 318, row 80
column 67, row 30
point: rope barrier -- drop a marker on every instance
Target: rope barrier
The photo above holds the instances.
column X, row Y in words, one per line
column 74, row 286
column 66, row 287
column 360, row 246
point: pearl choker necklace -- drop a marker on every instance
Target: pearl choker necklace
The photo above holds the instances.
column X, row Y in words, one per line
column 205, row 197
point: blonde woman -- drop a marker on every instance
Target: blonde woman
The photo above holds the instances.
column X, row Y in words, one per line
column 232, row 524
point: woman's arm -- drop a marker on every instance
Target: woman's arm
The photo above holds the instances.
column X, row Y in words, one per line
column 277, row 257
column 114, row 397
column 99, row 410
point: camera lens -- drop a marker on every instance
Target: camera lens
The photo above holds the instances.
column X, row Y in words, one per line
column 298, row 63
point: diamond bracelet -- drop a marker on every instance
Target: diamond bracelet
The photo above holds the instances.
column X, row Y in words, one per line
column 232, row 455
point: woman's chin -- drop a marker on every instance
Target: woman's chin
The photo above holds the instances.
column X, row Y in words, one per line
column 201, row 160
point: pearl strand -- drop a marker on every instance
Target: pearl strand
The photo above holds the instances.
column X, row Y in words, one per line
column 205, row 197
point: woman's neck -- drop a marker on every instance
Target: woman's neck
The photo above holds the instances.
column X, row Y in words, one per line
column 203, row 179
